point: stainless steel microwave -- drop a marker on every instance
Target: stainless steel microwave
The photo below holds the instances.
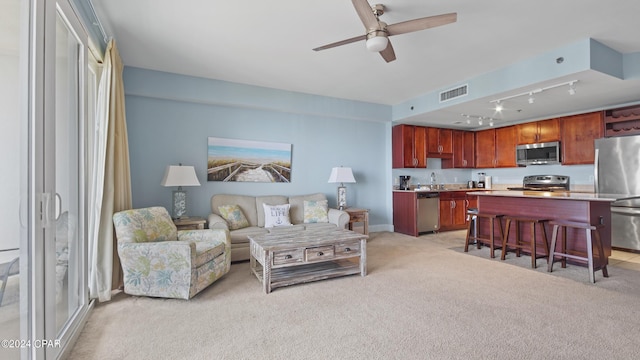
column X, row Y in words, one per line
column 538, row 154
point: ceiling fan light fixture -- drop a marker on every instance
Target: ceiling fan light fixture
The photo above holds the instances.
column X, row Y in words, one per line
column 377, row 43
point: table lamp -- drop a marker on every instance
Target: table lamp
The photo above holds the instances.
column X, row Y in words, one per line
column 179, row 176
column 342, row 175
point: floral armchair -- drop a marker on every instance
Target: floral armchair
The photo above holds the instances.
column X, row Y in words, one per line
column 160, row 261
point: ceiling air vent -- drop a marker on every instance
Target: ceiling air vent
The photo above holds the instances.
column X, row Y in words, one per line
column 454, row 93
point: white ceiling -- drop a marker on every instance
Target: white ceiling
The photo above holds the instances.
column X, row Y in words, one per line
column 268, row 43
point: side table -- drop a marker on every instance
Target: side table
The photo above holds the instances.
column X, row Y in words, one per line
column 358, row 215
column 190, row 223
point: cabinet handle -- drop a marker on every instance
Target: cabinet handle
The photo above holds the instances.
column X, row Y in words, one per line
column 320, row 253
column 288, row 257
column 467, row 203
column 347, row 249
column 453, row 203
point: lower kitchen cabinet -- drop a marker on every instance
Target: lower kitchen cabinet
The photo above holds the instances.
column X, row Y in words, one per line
column 453, row 210
column 405, row 212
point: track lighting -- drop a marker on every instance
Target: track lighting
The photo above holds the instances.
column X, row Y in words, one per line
column 481, row 119
column 572, row 91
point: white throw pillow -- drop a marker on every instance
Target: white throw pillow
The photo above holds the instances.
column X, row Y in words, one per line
column 276, row 215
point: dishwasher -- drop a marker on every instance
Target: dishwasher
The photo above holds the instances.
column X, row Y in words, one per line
column 428, row 211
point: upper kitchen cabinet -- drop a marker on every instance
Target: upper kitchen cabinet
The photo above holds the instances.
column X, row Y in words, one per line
column 496, row 147
column 539, row 132
column 506, row 146
column 463, row 151
column 486, row 148
column 577, row 135
column 440, row 142
column 409, row 146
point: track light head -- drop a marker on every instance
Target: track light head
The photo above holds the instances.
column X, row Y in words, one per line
column 531, row 98
column 572, row 89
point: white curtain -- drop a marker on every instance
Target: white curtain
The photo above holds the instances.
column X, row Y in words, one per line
column 110, row 182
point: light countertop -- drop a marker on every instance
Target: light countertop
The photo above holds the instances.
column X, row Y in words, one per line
column 568, row 195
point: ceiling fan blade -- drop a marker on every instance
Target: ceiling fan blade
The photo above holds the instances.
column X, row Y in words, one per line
column 388, row 54
column 365, row 13
column 421, row 23
column 342, row 42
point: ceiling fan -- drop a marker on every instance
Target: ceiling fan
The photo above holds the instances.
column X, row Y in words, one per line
column 378, row 32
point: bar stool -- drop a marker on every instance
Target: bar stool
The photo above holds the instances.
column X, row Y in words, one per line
column 492, row 218
column 532, row 241
column 589, row 230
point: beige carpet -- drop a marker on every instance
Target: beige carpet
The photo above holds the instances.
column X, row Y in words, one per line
column 423, row 299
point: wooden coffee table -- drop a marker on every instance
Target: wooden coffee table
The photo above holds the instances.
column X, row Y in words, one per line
column 284, row 258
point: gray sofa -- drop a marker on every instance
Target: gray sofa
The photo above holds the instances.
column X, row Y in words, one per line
column 253, row 210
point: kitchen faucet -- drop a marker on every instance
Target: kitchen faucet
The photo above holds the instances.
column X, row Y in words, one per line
column 433, row 178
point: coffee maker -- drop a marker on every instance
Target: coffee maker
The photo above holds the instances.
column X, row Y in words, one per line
column 404, row 182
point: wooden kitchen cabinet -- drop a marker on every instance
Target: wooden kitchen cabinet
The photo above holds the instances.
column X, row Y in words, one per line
column 505, row 154
column 496, row 147
column 463, row 151
column 439, row 142
column 538, row 131
column 472, row 202
column 485, row 148
column 453, row 210
column 409, row 146
column 405, row 212
column 578, row 133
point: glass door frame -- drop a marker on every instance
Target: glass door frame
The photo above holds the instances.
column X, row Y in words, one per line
column 38, row 298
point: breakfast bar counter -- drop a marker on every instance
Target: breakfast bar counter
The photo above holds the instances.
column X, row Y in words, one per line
column 573, row 206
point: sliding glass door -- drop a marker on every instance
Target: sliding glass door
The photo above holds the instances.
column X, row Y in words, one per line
column 43, row 285
column 65, row 293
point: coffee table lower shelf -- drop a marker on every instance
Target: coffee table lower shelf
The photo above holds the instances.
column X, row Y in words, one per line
column 292, row 275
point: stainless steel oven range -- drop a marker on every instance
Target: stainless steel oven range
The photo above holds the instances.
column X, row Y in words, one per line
column 544, row 183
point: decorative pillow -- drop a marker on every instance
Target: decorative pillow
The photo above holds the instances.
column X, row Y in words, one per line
column 234, row 216
column 276, row 215
column 316, row 211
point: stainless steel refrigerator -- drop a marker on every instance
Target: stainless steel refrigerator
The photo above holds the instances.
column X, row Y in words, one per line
column 617, row 171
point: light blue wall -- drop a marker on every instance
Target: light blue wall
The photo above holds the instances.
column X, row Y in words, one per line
column 170, row 117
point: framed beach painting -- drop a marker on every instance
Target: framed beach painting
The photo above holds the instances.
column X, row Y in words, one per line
column 248, row 161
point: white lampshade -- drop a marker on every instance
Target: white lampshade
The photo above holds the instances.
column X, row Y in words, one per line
column 180, row 176
column 341, row 175
column 377, row 43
